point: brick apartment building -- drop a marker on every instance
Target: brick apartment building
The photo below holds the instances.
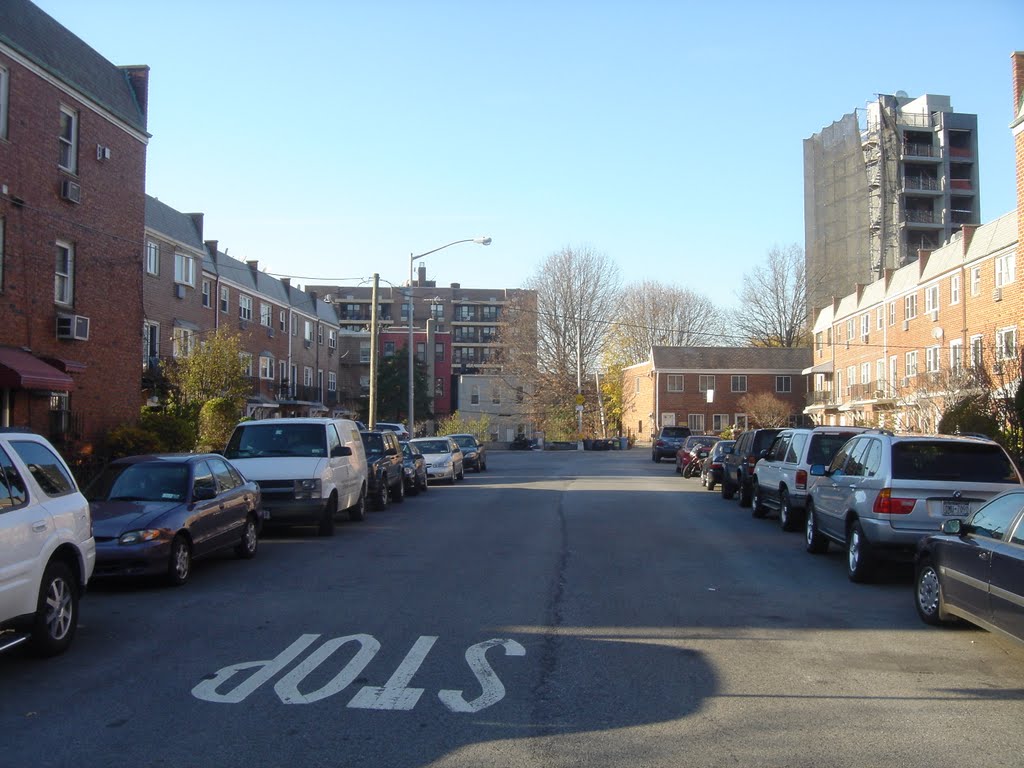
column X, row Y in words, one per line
column 72, row 203
column 671, row 387
column 891, row 352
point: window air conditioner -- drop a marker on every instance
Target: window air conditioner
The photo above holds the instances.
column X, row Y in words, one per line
column 74, row 327
column 906, row 325
column 905, row 381
column 71, row 191
column 179, row 290
column 997, row 294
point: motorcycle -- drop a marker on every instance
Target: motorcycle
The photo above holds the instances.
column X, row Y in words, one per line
column 696, row 461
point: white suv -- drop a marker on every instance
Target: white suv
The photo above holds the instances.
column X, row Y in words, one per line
column 47, row 551
column 781, row 474
column 883, row 493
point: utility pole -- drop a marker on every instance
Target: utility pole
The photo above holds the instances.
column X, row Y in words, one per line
column 372, row 416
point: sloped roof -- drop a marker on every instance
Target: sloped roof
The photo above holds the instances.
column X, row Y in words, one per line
column 177, row 226
column 745, row 359
column 42, row 40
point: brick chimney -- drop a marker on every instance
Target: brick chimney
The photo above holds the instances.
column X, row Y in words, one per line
column 254, row 265
column 138, row 79
column 197, row 222
column 966, row 235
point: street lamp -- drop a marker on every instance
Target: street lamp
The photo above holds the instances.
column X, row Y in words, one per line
column 413, row 258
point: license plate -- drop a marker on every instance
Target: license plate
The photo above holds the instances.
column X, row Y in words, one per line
column 956, row 509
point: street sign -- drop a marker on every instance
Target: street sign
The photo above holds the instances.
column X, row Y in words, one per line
column 579, row 400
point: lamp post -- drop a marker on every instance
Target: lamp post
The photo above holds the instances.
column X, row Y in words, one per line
column 412, row 368
column 412, row 351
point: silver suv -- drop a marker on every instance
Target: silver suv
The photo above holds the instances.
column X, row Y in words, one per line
column 47, row 551
column 781, row 474
column 882, row 493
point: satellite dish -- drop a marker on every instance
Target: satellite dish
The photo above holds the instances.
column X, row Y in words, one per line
column 937, row 333
column 902, row 95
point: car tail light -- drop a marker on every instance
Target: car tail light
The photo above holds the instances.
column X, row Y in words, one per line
column 716, row 465
column 660, row 443
column 801, row 479
column 886, row 504
column 751, row 461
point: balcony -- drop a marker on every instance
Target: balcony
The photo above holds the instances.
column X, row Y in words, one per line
column 921, row 217
column 821, row 398
column 917, row 150
column 921, row 184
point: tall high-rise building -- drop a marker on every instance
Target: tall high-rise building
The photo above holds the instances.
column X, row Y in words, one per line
column 882, row 183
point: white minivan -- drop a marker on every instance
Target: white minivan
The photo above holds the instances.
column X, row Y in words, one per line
column 308, row 469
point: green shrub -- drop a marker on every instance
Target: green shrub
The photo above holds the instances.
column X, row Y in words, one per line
column 217, row 419
column 131, row 440
column 175, row 430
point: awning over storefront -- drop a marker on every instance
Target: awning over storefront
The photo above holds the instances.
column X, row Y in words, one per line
column 65, row 365
column 21, row 370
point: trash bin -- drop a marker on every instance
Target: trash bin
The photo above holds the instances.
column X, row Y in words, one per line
column 624, row 443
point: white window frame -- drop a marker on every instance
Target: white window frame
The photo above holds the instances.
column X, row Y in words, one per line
column 1006, row 343
column 956, row 356
column 207, row 294
column 68, row 140
column 266, row 368
column 741, row 420
column 183, row 341
column 880, row 320
column 705, row 381
column 910, row 306
column 975, row 281
column 225, row 299
column 364, row 351
column 474, row 395
column 320, row 334
column 865, row 325
column 977, row 350
column 246, row 358
column 954, row 289
column 865, row 373
column 495, row 395
column 266, row 314
column 892, row 313
column 695, row 421
column 849, row 329
column 244, row 307
column 307, row 376
column 150, row 340
column 910, row 363
column 1006, row 268
column 153, row 258
column 931, row 298
column 738, row 383
column 673, row 382
column 786, row 382
column 332, row 381
column 332, row 339
column 283, row 321
column 931, row 359
column 184, row 269
column 64, row 274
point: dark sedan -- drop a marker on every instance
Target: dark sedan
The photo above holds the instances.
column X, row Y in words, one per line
column 474, row 455
column 711, row 471
column 414, row 469
column 974, row 569
column 154, row 515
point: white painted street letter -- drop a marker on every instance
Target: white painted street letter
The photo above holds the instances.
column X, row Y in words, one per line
column 493, row 690
column 287, row 687
column 396, row 694
column 207, row 689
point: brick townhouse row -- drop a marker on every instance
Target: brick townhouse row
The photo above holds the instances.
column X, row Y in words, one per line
column 891, row 352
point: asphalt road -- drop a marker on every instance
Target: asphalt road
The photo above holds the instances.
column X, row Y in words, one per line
column 561, row 609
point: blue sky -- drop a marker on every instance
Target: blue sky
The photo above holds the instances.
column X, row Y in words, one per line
column 330, row 140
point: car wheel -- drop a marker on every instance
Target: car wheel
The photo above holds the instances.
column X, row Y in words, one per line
column 928, row 595
column 179, row 565
column 654, row 458
column 727, row 490
column 816, row 543
column 710, row 485
column 425, row 486
column 414, row 489
column 383, row 493
column 787, row 520
column 357, row 512
column 484, row 466
column 858, row 554
column 462, row 473
column 326, row 527
column 757, row 507
column 398, row 490
column 56, row 615
column 746, row 492
column 250, row 542
column 451, row 480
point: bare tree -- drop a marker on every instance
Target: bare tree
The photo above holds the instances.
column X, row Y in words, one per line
column 653, row 314
column 774, row 301
column 766, row 410
column 549, row 345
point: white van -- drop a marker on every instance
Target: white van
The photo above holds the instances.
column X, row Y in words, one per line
column 308, row 469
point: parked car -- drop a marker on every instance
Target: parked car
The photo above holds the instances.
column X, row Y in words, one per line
column 308, row 469
column 781, row 474
column 47, row 550
column 691, row 454
column 414, row 469
column 398, row 429
column 474, row 455
column 444, row 458
column 883, row 493
column 711, row 472
column 155, row 514
column 384, row 467
column 667, row 442
column 974, row 569
column 738, row 466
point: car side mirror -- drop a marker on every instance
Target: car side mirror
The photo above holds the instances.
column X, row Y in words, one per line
column 203, row 493
column 340, row 450
column 818, row 470
column 953, row 527
column 763, row 454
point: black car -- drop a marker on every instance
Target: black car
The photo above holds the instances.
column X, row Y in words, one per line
column 155, row 514
column 738, row 466
column 474, row 455
column 668, row 441
column 711, row 472
column 385, row 474
column 414, row 468
column 974, row 569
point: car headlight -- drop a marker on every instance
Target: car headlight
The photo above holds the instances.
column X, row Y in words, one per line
column 470, row 455
column 444, row 461
column 138, row 537
column 307, row 489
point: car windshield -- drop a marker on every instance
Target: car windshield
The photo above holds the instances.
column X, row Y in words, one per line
column 676, row 432
column 946, row 460
column 465, row 441
column 150, row 481
column 374, row 444
column 434, row 446
column 256, row 440
column 407, row 451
